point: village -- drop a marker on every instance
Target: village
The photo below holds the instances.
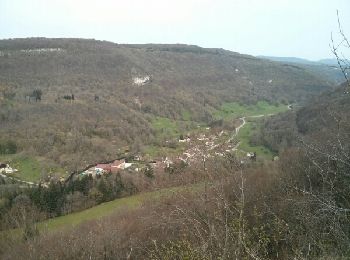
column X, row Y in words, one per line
column 211, row 143
column 196, row 147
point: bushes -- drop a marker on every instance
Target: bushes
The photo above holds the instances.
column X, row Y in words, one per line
column 253, row 213
column 8, row 147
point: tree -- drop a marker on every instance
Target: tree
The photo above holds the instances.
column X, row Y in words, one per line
column 37, row 93
column 337, row 49
column 149, row 171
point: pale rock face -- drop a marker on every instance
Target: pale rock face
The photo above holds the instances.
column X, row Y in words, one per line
column 141, row 81
column 42, row 50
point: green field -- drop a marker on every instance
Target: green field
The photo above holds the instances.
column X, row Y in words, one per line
column 156, row 151
column 29, row 168
column 165, row 127
column 244, row 136
column 235, row 110
column 186, row 115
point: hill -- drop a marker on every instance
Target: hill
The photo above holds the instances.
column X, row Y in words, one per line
column 326, row 69
column 326, row 117
column 287, row 59
column 332, row 62
column 119, row 91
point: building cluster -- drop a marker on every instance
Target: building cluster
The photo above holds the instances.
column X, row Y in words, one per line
column 5, row 168
column 104, row 168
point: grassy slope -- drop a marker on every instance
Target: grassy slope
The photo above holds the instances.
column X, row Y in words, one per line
column 100, row 211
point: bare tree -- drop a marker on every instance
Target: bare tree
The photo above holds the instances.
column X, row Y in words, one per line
column 338, row 48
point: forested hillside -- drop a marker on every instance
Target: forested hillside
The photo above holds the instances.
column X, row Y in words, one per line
column 326, row 69
column 326, row 117
column 72, row 101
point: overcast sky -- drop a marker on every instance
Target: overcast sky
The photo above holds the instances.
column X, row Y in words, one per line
column 299, row 28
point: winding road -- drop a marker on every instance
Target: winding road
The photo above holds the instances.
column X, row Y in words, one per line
column 235, row 148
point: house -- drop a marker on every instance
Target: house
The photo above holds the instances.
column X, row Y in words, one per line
column 127, row 165
column 102, row 168
column 5, row 168
column 186, row 140
column 167, row 162
column 252, row 156
column 91, row 171
column 117, row 165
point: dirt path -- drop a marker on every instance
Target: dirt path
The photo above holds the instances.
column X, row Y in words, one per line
column 244, row 122
column 18, row 180
column 243, row 119
column 240, row 126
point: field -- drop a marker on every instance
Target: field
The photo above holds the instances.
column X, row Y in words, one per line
column 235, row 110
column 165, row 127
column 244, row 137
column 29, row 168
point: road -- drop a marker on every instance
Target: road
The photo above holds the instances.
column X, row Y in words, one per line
column 235, row 148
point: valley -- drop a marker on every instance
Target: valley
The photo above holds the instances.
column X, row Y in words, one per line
column 111, row 150
column 194, row 144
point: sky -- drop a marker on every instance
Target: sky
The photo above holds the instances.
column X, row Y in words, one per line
column 288, row 28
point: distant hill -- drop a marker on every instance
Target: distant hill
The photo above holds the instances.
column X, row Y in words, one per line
column 119, row 89
column 288, row 59
column 333, row 62
column 300, row 60
column 327, row 69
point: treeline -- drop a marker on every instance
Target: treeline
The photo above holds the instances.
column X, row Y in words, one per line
column 58, row 198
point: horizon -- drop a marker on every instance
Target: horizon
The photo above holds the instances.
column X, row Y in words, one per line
column 268, row 28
